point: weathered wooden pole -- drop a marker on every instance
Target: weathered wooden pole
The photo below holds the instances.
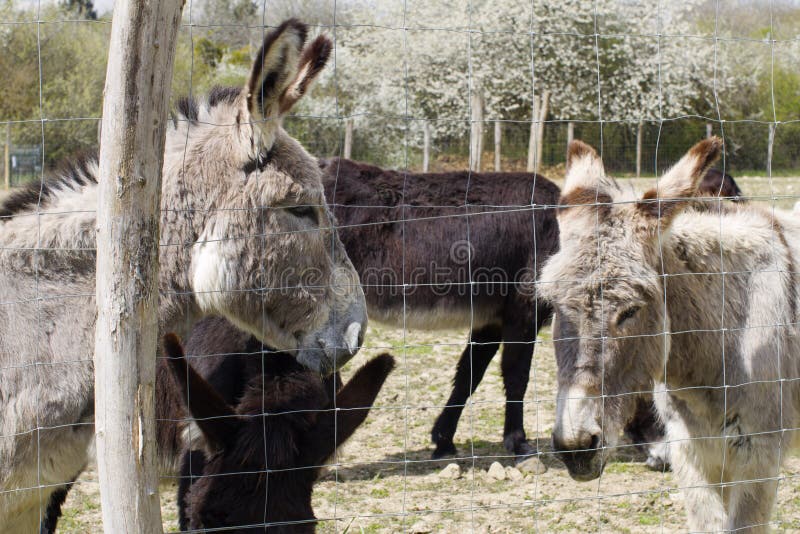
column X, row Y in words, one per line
column 7, row 157
column 426, row 147
column 770, row 144
column 476, row 130
column 709, row 130
column 498, row 135
column 639, row 131
column 570, row 132
column 532, row 139
column 135, row 107
column 540, row 130
column 348, row 139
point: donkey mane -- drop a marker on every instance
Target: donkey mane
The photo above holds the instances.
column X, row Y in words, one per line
column 73, row 174
column 79, row 172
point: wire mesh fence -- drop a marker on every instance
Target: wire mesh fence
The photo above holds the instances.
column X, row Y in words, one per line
column 529, row 316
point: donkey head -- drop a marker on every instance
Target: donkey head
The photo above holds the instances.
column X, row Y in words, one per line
column 610, row 327
column 264, row 456
column 265, row 253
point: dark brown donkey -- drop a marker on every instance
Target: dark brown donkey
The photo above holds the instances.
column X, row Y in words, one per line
column 269, row 425
column 453, row 250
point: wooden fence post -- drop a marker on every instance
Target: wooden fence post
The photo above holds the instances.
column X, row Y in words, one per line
column 532, row 139
column 476, row 130
column 426, row 147
column 709, row 130
column 7, row 157
column 348, row 139
column 540, row 130
column 770, row 144
column 135, row 114
column 639, row 131
column 498, row 135
column 570, row 132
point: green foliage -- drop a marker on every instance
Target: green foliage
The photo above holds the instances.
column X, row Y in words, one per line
column 84, row 8
column 209, row 52
column 71, row 59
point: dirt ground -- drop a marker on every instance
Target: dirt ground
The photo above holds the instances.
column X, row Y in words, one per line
column 385, row 481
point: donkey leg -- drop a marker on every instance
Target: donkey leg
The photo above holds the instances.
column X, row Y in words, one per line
column 192, row 465
column 518, row 345
column 705, row 508
column 751, row 506
column 647, row 432
column 53, row 511
column 469, row 372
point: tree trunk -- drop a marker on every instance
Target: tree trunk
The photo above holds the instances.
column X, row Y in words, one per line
column 540, row 128
column 348, row 138
column 426, row 147
column 7, row 157
column 532, row 139
column 498, row 134
column 138, row 78
column 770, row 143
column 639, row 129
column 476, row 131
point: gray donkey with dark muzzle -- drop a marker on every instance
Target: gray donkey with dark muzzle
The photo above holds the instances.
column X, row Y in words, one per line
column 245, row 233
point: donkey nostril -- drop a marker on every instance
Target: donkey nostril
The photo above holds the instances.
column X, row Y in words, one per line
column 595, row 442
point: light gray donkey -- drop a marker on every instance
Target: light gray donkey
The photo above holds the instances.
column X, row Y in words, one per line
column 245, row 233
column 700, row 303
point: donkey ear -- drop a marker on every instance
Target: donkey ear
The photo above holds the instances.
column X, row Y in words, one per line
column 216, row 420
column 586, row 183
column 312, row 61
column 584, row 167
column 282, row 73
column 680, row 183
column 353, row 403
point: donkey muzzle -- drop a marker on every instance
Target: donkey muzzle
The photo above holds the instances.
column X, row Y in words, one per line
column 583, row 460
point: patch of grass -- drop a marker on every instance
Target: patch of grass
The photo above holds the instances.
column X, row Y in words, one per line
column 649, row 519
column 380, row 493
column 624, row 468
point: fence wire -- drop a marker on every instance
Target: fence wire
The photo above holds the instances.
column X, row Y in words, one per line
column 450, row 257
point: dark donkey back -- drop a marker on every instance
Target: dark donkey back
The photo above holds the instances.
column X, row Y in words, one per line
column 268, row 426
column 453, row 250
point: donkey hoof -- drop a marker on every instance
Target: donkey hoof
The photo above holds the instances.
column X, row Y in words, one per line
column 655, row 463
column 524, row 450
column 443, row 450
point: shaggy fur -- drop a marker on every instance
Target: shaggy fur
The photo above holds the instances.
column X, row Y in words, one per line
column 453, row 250
column 263, row 456
column 703, row 304
column 242, row 208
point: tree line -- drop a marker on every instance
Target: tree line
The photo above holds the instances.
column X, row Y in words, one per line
column 434, row 83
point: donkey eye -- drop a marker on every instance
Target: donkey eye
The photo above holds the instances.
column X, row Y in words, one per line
column 627, row 314
column 304, row 212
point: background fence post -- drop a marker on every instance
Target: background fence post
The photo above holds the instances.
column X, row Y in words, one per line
column 7, row 157
column 540, row 130
column 476, row 130
column 639, row 132
column 348, row 139
column 426, row 147
column 138, row 79
column 532, row 139
column 770, row 144
column 498, row 134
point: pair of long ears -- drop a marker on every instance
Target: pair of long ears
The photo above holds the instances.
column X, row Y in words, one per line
column 282, row 72
column 219, row 423
column 587, row 186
